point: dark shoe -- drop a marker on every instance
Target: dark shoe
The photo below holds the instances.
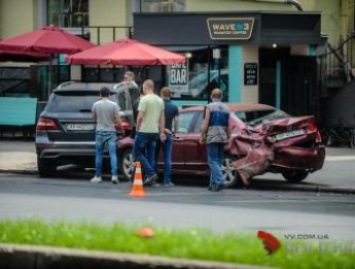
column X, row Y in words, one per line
column 210, row 188
column 150, row 180
column 217, row 188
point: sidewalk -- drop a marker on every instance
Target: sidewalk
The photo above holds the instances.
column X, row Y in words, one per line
column 19, row 156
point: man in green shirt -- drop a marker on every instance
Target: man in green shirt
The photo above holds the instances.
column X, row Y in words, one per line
column 149, row 128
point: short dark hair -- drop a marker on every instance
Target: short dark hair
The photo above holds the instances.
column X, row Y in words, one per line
column 165, row 92
column 105, row 92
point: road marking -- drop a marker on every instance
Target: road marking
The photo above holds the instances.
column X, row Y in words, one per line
column 340, row 158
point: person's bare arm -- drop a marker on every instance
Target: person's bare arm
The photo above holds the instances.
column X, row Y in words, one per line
column 162, row 122
column 94, row 115
column 162, row 126
column 176, row 124
column 140, row 118
column 204, row 127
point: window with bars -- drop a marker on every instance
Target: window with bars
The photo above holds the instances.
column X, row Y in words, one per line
column 163, row 5
column 68, row 13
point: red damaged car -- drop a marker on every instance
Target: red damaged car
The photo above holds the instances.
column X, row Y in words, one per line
column 265, row 139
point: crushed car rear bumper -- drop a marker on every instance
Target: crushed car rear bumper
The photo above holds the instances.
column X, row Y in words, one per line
column 311, row 159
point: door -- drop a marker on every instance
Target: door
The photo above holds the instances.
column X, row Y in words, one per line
column 300, row 94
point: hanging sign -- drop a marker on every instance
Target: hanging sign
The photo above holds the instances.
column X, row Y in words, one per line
column 250, row 74
column 230, row 28
column 178, row 79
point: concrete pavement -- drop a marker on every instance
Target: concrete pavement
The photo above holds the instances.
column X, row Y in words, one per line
column 19, row 156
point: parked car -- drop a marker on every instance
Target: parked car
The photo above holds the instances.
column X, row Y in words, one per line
column 65, row 131
column 296, row 140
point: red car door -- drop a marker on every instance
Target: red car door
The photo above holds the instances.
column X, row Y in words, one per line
column 177, row 158
column 195, row 156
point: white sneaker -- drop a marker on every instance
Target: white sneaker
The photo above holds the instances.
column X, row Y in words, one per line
column 114, row 179
column 96, row 179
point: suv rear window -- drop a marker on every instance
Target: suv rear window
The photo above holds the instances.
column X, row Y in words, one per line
column 73, row 101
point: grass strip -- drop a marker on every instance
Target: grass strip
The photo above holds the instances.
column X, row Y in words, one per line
column 186, row 243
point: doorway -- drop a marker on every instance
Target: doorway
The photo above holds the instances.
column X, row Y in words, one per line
column 300, row 94
column 269, row 68
column 288, row 82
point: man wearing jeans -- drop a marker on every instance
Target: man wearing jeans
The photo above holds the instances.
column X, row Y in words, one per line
column 171, row 112
column 215, row 132
column 107, row 120
column 149, row 128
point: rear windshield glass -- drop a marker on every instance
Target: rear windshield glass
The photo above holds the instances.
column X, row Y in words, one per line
column 257, row 117
column 74, row 101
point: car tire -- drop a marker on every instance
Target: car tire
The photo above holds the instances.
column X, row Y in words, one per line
column 46, row 168
column 126, row 164
column 230, row 174
column 295, row 176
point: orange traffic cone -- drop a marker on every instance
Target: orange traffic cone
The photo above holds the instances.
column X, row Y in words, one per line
column 137, row 188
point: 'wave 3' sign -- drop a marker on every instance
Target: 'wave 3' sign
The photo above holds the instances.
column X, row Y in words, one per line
column 230, row 28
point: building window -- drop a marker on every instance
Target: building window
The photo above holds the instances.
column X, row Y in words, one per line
column 163, row 5
column 68, row 13
column 206, row 69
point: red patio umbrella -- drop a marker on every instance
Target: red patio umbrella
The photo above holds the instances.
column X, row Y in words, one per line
column 14, row 56
column 126, row 52
column 50, row 39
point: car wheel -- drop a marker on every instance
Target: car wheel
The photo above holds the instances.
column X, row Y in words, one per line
column 46, row 168
column 126, row 164
column 295, row 176
column 230, row 174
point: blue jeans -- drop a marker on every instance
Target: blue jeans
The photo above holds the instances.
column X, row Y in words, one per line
column 144, row 151
column 101, row 138
column 167, row 150
column 215, row 155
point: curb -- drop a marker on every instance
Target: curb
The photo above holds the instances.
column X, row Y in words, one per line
column 314, row 188
column 258, row 186
column 18, row 171
column 40, row 257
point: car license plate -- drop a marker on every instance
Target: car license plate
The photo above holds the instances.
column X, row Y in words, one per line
column 80, row 127
column 289, row 134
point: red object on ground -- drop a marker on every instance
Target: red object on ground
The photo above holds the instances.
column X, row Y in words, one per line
column 126, row 52
column 49, row 39
column 270, row 242
column 145, row 232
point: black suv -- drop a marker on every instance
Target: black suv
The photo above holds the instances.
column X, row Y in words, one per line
column 65, row 131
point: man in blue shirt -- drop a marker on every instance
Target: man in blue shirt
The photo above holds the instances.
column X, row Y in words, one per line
column 215, row 132
column 171, row 116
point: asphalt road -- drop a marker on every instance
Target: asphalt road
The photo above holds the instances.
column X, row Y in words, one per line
column 283, row 212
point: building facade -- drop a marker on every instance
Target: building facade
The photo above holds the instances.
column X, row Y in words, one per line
column 277, row 64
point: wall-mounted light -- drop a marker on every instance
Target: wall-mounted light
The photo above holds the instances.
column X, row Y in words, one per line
column 188, row 55
column 216, row 54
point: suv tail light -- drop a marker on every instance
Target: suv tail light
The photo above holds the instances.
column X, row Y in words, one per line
column 125, row 125
column 46, row 125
